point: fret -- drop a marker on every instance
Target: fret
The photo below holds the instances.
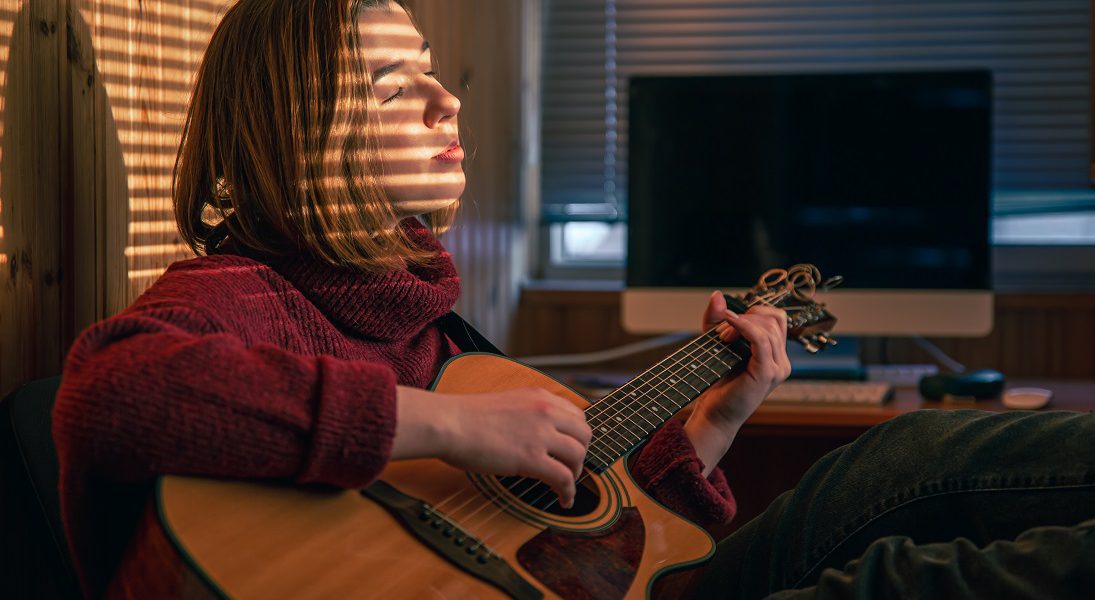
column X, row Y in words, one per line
column 610, row 446
column 683, row 384
column 613, row 449
column 647, row 418
column 702, row 378
column 622, row 418
column 629, row 392
column 628, row 415
column 623, row 423
column 603, row 455
column 669, row 394
column 728, row 357
column 715, row 365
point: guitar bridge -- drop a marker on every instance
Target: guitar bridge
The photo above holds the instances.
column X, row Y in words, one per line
column 451, row 541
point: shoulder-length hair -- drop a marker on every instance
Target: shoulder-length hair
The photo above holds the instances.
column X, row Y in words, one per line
column 278, row 145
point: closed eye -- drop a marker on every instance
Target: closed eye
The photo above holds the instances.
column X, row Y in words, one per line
column 401, row 91
column 397, row 94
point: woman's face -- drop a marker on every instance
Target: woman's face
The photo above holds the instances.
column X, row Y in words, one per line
column 421, row 153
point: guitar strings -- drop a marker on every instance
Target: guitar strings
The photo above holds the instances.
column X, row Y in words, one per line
column 717, row 341
column 593, row 415
column 624, row 402
column 770, row 297
column 709, row 344
column 703, row 345
column 646, row 387
column 764, row 283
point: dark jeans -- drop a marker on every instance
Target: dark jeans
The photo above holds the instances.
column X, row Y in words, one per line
column 929, row 505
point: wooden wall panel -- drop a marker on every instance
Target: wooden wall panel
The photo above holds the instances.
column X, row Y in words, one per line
column 32, row 42
column 1035, row 335
column 94, row 95
column 1038, row 335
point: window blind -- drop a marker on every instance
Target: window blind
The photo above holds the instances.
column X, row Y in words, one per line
column 1038, row 50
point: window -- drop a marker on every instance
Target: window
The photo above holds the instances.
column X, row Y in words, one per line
column 1039, row 52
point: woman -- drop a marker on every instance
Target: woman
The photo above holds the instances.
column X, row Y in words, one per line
column 297, row 345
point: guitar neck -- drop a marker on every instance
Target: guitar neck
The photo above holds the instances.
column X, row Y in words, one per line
column 627, row 416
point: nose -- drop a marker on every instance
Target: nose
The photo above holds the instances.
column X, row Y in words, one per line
column 441, row 106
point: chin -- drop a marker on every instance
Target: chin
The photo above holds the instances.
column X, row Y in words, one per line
column 411, row 208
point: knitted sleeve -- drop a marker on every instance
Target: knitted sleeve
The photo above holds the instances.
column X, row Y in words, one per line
column 162, row 391
column 669, row 470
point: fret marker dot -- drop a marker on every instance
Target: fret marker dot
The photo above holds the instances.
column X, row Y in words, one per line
column 603, row 430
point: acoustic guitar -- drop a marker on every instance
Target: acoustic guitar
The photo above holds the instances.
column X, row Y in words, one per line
column 425, row 529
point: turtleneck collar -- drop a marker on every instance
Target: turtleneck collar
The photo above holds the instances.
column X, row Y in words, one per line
column 383, row 306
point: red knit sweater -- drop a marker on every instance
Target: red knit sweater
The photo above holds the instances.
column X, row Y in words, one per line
column 230, row 367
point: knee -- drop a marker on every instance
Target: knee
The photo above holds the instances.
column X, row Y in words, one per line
column 920, row 428
column 909, row 446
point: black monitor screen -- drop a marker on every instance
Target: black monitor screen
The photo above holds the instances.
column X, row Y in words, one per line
column 882, row 178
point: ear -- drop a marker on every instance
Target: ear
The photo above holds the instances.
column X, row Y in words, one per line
column 715, row 312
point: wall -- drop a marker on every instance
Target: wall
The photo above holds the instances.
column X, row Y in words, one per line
column 478, row 49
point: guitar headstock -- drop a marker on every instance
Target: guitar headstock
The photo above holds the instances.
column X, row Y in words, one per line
column 793, row 289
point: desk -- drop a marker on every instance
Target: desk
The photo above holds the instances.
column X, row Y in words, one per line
column 779, row 442
column 1077, row 395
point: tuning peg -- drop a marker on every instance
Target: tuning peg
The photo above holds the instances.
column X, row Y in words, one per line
column 809, row 343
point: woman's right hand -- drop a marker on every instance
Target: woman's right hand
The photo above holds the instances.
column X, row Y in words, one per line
column 529, row 432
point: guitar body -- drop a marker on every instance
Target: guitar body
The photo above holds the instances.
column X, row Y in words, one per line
column 205, row 537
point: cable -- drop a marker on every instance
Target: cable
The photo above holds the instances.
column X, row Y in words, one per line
column 590, row 358
column 940, row 356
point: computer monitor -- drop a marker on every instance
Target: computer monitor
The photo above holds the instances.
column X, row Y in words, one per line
column 883, row 178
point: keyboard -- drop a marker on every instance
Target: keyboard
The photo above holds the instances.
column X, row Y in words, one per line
column 831, row 393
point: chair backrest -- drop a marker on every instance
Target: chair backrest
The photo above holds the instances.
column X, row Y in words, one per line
column 31, row 500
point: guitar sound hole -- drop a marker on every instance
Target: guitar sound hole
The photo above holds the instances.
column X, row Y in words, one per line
column 539, row 496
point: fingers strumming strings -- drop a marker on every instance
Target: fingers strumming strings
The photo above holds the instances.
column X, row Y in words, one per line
column 773, row 288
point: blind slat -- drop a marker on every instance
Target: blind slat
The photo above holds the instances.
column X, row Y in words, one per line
column 1038, row 51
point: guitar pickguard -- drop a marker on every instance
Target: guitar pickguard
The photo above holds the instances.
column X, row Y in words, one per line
column 598, row 564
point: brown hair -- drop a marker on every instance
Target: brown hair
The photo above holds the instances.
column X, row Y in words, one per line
column 276, row 149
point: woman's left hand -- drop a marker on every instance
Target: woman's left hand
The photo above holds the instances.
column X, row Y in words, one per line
column 724, row 407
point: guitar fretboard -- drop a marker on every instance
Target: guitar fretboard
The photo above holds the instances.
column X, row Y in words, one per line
column 625, row 417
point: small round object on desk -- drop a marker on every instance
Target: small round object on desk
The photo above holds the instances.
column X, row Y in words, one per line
column 1030, row 398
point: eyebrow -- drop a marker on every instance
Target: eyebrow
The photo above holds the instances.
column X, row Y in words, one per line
column 386, row 69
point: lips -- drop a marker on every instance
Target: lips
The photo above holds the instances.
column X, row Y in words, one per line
column 454, row 153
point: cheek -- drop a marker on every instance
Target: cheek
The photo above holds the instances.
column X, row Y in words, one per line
column 400, row 150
